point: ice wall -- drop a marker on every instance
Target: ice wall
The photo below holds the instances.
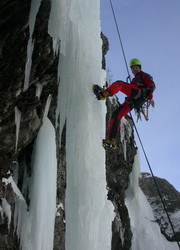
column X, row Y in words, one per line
column 76, row 25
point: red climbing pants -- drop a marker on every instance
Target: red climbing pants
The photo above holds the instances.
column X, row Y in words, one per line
column 121, row 86
column 123, row 109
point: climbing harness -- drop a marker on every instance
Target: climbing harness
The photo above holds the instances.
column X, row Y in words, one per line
column 146, row 117
column 144, row 109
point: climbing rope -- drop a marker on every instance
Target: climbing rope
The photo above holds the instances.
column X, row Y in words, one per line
column 159, row 193
column 120, row 40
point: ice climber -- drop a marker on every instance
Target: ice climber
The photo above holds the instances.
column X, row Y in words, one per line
column 137, row 93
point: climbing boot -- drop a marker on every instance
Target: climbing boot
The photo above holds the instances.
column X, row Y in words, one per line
column 100, row 93
column 109, row 143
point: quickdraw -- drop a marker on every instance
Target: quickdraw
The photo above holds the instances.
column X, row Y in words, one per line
column 144, row 110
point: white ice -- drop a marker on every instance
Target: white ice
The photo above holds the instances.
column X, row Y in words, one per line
column 39, row 88
column 21, row 215
column 35, row 228
column 43, row 189
column 32, row 18
column 47, row 106
column 5, row 210
column 88, row 213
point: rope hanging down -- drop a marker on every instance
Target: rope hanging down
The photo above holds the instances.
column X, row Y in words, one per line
column 159, row 193
column 120, row 40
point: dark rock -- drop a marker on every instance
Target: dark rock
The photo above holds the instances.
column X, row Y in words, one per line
column 13, row 52
column 117, row 176
column 105, row 48
column 171, row 200
column 60, row 225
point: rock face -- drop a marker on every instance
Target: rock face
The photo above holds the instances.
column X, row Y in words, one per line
column 13, row 59
column 105, row 48
column 118, row 168
column 19, row 107
column 171, row 198
column 60, row 226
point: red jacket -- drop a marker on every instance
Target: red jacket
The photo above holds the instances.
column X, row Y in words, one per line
column 143, row 79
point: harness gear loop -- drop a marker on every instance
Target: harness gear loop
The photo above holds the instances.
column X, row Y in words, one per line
column 144, row 110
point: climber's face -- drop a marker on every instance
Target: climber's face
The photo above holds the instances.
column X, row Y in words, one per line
column 135, row 70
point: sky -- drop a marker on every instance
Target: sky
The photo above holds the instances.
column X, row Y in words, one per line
column 150, row 32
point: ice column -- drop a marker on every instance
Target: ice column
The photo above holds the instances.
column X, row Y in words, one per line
column 43, row 188
column 48, row 102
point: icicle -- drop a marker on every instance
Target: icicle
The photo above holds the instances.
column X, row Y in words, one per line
column 48, row 102
column 30, row 48
column 126, row 132
column 20, row 215
column 17, row 122
column 32, row 18
column 6, row 210
column 39, row 88
column 56, row 45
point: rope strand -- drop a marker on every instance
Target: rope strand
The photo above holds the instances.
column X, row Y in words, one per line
column 159, row 193
column 120, row 40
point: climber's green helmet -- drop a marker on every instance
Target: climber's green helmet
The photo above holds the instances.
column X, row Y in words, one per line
column 135, row 62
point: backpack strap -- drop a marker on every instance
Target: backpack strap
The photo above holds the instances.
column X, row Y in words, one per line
column 140, row 80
